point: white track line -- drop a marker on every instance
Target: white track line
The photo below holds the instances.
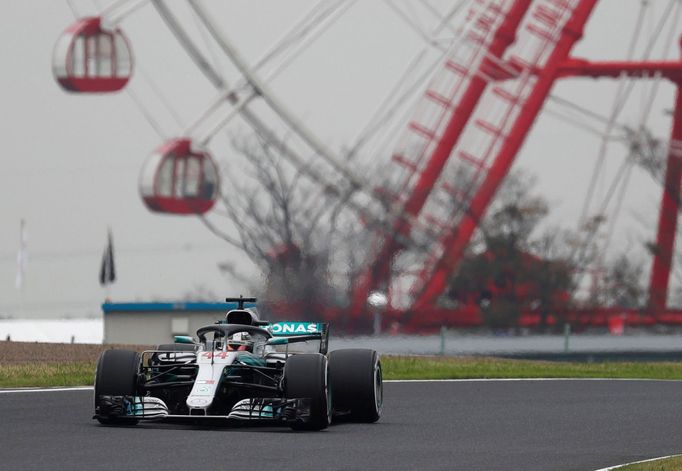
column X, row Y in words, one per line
column 637, row 462
column 33, row 390
column 476, row 380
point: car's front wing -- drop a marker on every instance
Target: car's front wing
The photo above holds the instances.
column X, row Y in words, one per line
column 251, row 409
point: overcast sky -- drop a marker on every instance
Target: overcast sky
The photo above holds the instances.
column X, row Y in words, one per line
column 71, row 162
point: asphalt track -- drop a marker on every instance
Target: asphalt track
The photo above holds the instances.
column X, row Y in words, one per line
column 478, row 425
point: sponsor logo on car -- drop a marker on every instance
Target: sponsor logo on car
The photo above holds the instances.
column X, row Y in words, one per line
column 294, row 328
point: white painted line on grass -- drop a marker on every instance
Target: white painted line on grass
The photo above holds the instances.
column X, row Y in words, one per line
column 637, row 462
column 33, row 390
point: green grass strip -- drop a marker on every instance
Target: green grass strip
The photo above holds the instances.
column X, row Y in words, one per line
column 478, row 367
column 667, row 464
column 51, row 374
column 45, row 375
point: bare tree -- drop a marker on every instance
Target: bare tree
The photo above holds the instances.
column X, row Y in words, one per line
column 622, row 284
column 509, row 269
column 299, row 236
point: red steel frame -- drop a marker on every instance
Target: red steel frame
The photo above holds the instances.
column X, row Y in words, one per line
column 379, row 272
column 670, row 200
column 456, row 241
column 667, row 225
column 558, row 65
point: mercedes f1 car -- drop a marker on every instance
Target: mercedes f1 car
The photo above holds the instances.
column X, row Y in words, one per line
column 241, row 370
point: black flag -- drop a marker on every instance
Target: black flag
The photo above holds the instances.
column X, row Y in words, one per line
column 107, row 273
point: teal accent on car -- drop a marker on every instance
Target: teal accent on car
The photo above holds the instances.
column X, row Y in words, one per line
column 183, row 339
column 135, row 407
column 295, row 328
column 250, row 359
column 267, row 412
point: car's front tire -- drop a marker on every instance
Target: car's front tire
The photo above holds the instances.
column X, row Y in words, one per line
column 357, row 384
column 307, row 376
column 116, row 376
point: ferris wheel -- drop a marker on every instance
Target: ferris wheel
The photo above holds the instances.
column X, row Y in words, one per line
column 447, row 133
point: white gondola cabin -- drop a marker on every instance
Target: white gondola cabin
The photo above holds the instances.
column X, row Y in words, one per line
column 178, row 179
column 90, row 59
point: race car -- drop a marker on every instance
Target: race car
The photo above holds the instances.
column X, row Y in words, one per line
column 241, row 370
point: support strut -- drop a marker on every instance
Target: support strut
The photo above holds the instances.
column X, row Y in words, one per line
column 667, row 222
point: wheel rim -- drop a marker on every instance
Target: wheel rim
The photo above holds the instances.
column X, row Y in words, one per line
column 378, row 387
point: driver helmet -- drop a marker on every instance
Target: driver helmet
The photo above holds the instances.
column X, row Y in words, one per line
column 241, row 341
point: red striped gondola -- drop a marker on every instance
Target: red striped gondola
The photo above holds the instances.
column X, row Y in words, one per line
column 177, row 179
column 90, row 59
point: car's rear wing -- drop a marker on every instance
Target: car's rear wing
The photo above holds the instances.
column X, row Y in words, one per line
column 301, row 332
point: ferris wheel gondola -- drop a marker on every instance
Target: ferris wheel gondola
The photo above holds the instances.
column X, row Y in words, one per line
column 89, row 58
column 179, row 178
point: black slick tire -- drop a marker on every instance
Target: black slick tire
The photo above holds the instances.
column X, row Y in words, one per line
column 356, row 384
column 307, row 376
column 116, row 375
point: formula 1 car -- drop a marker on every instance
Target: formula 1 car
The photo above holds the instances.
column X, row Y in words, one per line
column 241, row 370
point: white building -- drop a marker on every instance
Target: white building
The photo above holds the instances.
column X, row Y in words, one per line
column 157, row 323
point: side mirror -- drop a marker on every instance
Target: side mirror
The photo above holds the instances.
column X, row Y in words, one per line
column 183, row 339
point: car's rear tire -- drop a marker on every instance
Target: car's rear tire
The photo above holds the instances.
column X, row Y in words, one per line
column 116, row 375
column 307, row 376
column 356, row 383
